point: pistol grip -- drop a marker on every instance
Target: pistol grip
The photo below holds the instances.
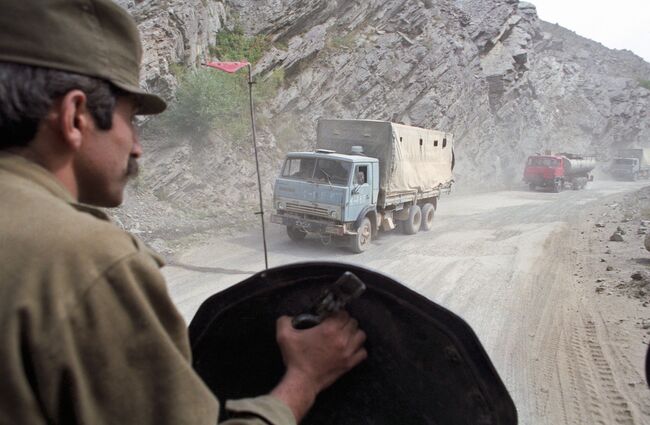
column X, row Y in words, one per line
column 305, row 321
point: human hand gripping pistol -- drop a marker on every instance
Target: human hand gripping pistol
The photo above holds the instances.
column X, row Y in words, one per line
column 333, row 298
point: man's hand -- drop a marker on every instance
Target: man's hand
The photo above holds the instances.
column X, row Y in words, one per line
column 316, row 357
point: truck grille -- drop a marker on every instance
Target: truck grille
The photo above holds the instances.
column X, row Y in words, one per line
column 306, row 209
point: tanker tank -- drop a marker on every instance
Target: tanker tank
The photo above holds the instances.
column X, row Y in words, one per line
column 582, row 165
column 559, row 171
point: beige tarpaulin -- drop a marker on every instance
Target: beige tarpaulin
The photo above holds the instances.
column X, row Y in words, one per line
column 410, row 158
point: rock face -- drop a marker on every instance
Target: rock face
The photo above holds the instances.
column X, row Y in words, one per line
column 504, row 82
column 173, row 33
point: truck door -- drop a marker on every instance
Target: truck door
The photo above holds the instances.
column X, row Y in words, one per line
column 360, row 195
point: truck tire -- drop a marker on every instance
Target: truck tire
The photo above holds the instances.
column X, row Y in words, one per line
column 296, row 234
column 531, row 186
column 427, row 217
column 411, row 225
column 557, row 186
column 361, row 241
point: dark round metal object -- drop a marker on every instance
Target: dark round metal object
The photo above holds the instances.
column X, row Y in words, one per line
column 425, row 365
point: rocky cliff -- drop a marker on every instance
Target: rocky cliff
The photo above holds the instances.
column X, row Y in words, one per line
column 504, row 82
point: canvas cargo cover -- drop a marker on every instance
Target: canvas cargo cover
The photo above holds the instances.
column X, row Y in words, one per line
column 643, row 155
column 410, row 158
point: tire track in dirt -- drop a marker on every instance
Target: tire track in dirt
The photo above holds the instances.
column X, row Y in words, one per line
column 621, row 413
column 551, row 298
column 615, row 350
column 564, row 372
column 589, row 382
column 591, row 391
column 578, row 394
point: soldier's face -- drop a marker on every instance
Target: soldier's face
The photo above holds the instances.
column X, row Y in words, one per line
column 108, row 158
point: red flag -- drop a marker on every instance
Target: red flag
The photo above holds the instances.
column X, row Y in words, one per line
column 227, row 66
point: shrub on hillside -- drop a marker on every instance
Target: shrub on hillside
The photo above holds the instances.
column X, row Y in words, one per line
column 235, row 46
column 207, row 99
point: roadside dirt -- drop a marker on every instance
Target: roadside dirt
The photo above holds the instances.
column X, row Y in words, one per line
column 614, row 275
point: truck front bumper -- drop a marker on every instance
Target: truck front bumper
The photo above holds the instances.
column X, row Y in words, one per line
column 622, row 174
column 312, row 226
column 540, row 181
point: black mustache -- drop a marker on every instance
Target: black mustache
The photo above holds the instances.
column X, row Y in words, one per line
column 132, row 168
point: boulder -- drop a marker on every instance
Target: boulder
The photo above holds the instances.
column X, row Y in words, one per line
column 616, row 237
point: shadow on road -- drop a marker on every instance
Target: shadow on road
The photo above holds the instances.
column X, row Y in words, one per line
column 642, row 261
column 203, row 269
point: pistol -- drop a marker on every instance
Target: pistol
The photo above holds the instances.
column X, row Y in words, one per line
column 332, row 299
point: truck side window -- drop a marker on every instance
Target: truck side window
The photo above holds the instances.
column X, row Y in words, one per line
column 361, row 174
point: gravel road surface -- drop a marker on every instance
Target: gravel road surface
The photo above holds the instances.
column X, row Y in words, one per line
column 521, row 268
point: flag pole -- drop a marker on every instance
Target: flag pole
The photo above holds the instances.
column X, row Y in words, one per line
column 232, row 67
column 257, row 164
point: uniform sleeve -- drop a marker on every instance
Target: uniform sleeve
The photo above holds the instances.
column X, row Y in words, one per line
column 263, row 410
column 122, row 356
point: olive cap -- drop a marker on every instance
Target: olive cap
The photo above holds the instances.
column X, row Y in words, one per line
column 96, row 38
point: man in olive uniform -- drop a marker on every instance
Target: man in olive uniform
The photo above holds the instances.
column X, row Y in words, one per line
column 88, row 332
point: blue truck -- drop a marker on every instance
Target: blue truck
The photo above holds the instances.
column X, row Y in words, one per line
column 364, row 176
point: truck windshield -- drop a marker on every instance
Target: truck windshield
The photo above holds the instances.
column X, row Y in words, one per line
column 539, row 161
column 299, row 168
column 328, row 171
column 332, row 171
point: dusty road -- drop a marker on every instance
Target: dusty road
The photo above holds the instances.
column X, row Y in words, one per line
column 518, row 266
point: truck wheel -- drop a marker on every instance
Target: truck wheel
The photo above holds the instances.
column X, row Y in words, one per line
column 361, row 241
column 427, row 217
column 531, row 186
column 412, row 224
column 296, row 234
column 557, row 186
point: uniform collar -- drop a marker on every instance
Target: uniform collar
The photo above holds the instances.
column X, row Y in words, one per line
column 43, row 179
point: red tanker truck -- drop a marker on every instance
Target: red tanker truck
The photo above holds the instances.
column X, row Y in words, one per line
column 559, row 171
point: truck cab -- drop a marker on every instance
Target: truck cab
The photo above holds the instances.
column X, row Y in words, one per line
column 325, row 192
column 631, row 164
column 559, row 171
column 625, row 168
column 544, row 171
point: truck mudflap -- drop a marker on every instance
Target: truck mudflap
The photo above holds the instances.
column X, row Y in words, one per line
column 312, row 226
column 421, row 357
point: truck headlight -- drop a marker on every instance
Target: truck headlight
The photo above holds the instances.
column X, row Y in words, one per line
column 281, row 205
column 333, row 213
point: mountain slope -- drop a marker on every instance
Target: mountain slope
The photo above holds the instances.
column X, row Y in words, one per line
column 504, row 82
